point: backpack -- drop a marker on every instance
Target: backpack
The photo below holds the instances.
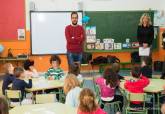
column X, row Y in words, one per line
column 99, row 60
column 112, row 59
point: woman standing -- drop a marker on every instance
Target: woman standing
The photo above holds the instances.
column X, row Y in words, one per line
column 145, row 31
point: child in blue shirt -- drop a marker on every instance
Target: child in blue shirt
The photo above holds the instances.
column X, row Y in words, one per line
column 19, row 83
column 8, row 77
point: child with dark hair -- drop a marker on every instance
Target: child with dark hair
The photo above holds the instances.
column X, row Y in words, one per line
column 19, row 83
column 108, row 84
column 136, row 85
column 146, row 69
column 88, row 103
column 116, row 69
column 30, row 70
column 55, row 72
column 8, row 77
column 75, row 69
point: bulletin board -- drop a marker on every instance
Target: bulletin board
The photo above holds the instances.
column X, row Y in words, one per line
column 12, row 18
column 118, row 25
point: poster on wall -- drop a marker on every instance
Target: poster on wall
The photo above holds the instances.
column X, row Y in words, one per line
column 90, row 34
column 159, row 18
column 90, row 46
column 12, row 13
column 21, row 34
column 117, row 46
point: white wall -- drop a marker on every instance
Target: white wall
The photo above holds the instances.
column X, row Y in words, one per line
column 94, row 5
column 123, row 4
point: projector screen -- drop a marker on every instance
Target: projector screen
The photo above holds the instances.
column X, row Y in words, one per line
column 48, row 31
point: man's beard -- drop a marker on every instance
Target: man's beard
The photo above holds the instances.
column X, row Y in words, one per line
column 74, row 23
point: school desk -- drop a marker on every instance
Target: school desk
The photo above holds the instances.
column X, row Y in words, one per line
column 49, row 108
column 41, row 84
column 154, row 88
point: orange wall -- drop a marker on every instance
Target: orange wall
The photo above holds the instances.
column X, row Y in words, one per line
column 19, row 47
column 42, row 62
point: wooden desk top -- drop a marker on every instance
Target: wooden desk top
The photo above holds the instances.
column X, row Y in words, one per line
column 43, row 84
column 155, row 86
column 40, row 84
column 49, row 108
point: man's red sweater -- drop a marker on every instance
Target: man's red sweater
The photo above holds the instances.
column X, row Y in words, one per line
column 136, row 86
column 75, row 38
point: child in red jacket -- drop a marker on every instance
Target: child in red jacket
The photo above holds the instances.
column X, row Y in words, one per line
column 136, row 85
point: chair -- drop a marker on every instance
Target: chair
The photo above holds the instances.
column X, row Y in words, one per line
column 115, row 105
column 13, row 94
column 97, row 93
column 45, row 98
column 61, row 95
column 136, row 97
column 107, row 106
column 82, row 84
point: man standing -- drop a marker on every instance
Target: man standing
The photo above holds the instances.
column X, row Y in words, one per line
column 74, row 34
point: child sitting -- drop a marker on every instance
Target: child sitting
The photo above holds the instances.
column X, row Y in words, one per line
column 146, row 69
column 72, row 90
column 88, row 103
column 75, row 69
column 8, row 77
column 116, row 69
column 108, row 84
column 19, row 83
column 55, row 72
column 30, row 71
column 136, row 85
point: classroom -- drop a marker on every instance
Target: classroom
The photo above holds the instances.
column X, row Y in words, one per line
column 82, row 57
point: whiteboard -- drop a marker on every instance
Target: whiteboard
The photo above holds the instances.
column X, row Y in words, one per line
column 48, row 31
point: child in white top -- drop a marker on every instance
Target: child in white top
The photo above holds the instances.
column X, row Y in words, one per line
column 72, row 90
column 30, row 70
column 75, row 69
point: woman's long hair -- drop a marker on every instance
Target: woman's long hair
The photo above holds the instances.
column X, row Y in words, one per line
column 142, row 17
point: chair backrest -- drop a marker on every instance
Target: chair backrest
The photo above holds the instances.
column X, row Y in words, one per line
column 97, row 90
column 97, row 93
column 45, row 98
column 136, row 97
column 13, row 94
column 82, row 83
